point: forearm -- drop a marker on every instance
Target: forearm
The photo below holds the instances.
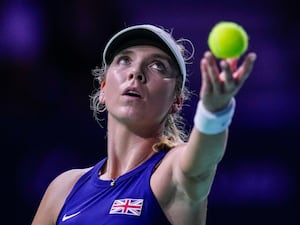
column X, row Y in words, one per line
column 202, row 152
column 206, row 145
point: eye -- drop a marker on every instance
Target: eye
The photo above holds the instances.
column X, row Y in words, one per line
column 159, row 66
column 123, row 60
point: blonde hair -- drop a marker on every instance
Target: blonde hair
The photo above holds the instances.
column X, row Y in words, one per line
column 174, row 132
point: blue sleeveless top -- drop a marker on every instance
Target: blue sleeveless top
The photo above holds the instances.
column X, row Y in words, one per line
column 129, row 201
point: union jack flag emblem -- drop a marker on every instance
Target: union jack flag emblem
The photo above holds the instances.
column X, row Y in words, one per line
column 127, row 206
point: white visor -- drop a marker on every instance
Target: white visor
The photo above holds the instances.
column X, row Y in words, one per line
column 145, row 34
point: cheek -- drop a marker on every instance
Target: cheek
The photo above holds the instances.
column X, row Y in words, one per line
column 113, row 80
column 164, row 92
column 112, row 84
column 113, row 76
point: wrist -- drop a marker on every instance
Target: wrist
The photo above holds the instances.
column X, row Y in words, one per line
column 213, row 122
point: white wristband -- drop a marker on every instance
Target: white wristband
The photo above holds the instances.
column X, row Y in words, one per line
column 213, row 122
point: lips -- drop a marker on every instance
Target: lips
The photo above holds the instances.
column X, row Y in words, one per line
column 132, row 92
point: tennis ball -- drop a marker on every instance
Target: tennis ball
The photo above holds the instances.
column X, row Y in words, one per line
column 227, row 40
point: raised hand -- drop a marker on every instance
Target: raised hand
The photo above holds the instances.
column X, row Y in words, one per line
column 219, row 86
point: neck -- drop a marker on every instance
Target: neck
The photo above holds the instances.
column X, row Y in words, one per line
column 126, row 150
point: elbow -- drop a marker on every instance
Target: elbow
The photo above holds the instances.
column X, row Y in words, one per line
column 197, row 188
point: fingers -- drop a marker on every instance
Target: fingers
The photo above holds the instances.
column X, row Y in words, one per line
column 211, row 72
column 232, row 63
column 211, row 76
column 245, row 69
column 206, row 84
column 230, row 79
column 218, row 87
column 227, row 75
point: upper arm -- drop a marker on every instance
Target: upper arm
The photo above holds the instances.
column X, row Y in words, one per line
column 55, row 196
column 196, row 163
column 180, row 197
column 177, row 182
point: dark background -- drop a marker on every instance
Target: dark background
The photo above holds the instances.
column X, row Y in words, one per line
column 48, row 49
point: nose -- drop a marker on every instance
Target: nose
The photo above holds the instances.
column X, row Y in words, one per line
column 137, row 75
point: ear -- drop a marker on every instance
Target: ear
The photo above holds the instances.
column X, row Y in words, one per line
column 102, row 85
column 177, row 105
column 101, row 94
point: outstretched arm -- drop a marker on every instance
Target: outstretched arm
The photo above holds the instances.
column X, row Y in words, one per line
column 206, row 145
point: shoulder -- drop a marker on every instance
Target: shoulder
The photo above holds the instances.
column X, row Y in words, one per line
column 172, row 157
column 62, row 185
column 179, row 207
column 69, row 178
column 164, row 191
column 55, row 196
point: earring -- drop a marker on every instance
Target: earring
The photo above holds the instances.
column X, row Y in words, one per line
column 101, row 97
column 174, row 108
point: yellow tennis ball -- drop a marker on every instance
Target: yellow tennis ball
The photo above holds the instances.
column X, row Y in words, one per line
column 228, row 40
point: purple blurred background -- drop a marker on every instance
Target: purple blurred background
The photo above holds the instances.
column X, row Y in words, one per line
column 48, row 48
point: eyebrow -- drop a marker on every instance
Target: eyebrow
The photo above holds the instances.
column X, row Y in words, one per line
column 154, row 55
column 125, row 52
